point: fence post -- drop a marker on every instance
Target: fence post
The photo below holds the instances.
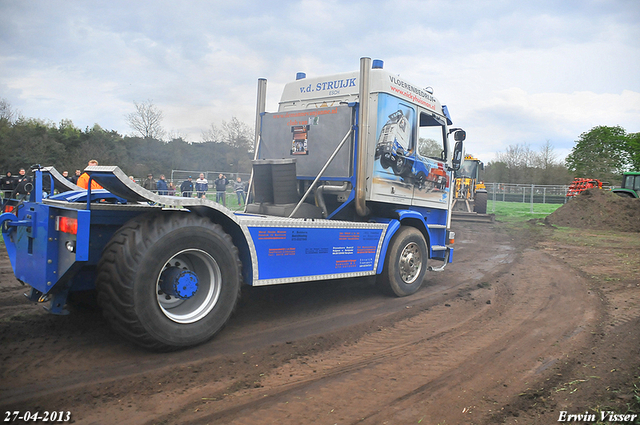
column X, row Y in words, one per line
column 493, row 207
column 531, row 199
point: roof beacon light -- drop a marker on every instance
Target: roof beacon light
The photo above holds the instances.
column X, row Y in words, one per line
column 377, row 64
column 301, row 76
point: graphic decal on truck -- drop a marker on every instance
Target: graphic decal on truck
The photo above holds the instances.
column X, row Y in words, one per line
column 399, row 172
column 284, row 253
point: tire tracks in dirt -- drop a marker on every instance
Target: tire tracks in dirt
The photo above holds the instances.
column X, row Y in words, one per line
column 327, row 353
column 450, row 351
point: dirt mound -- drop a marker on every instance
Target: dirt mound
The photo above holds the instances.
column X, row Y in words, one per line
column 600, row 210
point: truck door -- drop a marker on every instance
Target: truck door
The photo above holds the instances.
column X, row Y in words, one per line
column 394, row 151
column 432, row 180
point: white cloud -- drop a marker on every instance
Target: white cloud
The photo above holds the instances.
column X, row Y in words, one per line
column 510, row 72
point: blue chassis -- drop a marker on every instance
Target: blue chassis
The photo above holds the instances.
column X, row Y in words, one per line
column 274, row 250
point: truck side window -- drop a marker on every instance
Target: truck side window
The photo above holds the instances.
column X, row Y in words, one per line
column 431, row 137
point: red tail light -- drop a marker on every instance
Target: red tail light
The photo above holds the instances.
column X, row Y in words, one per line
column 67, row 225
column 8, row 208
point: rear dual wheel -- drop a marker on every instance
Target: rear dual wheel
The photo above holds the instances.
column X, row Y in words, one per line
column 169, row 280
column 405, row 264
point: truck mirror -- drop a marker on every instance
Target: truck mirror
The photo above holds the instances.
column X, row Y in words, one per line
column 460, row 135
column 456, row 160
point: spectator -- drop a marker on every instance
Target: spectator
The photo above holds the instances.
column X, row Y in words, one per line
column 8, row 184
column 187, row 188
column 149, row 183
column 162, row 186
column 172, row 189
column 23, row 185
column 75, row 177
column 83, row 180
column 238, row 186
column 133, row 179
column 65, row 174
column 202, row 186
column 221, row 188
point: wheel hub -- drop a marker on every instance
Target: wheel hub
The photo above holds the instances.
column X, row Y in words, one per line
column 189, row 285
column 179, row 283
column 410, row 263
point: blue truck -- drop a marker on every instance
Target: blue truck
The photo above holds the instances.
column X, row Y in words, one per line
column 167, row 271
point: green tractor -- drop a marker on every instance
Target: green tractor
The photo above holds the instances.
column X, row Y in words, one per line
column 630, row 185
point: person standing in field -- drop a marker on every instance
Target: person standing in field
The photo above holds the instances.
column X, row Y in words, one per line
column 187, row 188
column 202, row 186
column 149, row 183
column 221, row 189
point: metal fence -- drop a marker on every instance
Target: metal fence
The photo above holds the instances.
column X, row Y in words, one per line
column 230, row 198
column 537, row 194
column 178, row 176
column 529, row 193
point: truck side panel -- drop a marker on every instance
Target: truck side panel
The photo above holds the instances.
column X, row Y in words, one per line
column 313, row 250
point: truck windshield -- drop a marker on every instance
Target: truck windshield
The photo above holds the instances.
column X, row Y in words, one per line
column 431, row 137
column 468, row 169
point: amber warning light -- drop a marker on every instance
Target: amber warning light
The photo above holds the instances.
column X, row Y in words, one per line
column 67, row 225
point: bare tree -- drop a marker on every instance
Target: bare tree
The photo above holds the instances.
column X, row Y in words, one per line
column 7, row 112
column 238, row 135
column 146, row 119
column 546, row 157
column 212, row 134
column 520, row 161
column 176, row 135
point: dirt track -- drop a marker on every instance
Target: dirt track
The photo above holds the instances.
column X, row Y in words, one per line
column 481, row 342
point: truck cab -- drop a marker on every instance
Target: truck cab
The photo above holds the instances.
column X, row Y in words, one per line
column 393, row 171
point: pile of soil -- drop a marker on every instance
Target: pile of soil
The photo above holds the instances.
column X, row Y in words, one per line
column 600, row 210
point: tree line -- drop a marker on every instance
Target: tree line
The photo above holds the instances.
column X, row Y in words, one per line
column 601, row 153
column 28, row 141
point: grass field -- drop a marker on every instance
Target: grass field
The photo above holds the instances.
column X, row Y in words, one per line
column 517, row 211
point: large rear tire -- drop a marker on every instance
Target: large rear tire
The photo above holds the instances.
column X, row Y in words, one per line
column 169, row 280
column 481, row 202
column 405, row 264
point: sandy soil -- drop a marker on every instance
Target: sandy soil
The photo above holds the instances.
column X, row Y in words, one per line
column 523, row 325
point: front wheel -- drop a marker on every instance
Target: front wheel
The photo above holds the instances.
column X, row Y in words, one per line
column 169, row 280
column 405, row 264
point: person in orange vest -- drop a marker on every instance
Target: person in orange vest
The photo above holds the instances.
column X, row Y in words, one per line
column 83, row 180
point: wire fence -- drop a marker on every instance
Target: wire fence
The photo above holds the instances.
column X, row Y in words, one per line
column 505, row 192
column 529, row 193
column 178, row 176
column 229, row 198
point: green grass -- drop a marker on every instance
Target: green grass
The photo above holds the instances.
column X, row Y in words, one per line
column 232, row 200
column 517, row 211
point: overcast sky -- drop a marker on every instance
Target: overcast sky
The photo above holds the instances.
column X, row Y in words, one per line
column 511, row 72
